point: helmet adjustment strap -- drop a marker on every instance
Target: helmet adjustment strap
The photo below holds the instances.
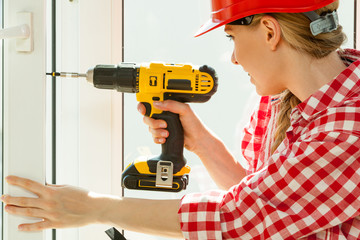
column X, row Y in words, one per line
column 322, row 24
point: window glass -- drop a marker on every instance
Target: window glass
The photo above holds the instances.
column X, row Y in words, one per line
column 347, row 20
column 163, row 31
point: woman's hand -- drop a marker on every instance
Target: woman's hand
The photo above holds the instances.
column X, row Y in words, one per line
column 58, row 206
column 67, row 206
column 194, row 130
column 217, row 159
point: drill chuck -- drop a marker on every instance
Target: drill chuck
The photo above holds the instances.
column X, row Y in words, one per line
column 123, row 77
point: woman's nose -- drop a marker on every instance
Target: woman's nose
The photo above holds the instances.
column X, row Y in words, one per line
column 233, row 59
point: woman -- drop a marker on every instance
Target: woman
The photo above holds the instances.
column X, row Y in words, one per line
column 302, row 143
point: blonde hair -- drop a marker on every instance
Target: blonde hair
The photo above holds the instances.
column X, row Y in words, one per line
column 295, row 30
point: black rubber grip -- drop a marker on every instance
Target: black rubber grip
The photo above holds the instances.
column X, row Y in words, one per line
column 173, row 148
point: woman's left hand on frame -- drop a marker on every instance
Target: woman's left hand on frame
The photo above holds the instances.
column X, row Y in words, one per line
column 59, row 206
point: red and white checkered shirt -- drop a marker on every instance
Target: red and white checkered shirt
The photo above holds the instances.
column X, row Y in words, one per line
column 309, row 188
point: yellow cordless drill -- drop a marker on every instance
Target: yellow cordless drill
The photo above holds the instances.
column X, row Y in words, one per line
column 157, row 82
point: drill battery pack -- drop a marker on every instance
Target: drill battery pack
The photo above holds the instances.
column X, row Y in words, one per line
column 155, row 175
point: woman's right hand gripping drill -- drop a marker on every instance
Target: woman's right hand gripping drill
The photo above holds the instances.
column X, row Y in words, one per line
column 220, row 164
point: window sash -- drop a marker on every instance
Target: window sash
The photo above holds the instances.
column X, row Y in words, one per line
column 89, row 120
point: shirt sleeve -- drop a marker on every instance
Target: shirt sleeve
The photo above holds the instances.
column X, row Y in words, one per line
column 310, row 186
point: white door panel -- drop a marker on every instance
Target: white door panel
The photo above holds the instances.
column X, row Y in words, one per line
column 24, row 109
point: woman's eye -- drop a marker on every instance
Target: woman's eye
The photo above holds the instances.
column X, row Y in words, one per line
column 230, row 37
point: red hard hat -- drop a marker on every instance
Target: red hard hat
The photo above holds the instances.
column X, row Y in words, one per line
column 226, row 11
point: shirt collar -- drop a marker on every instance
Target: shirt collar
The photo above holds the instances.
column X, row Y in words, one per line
column 337, row 91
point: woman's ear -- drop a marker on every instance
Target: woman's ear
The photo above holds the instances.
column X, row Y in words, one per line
column 272, row 31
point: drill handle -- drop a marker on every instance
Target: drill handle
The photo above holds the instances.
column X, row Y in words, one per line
column 173, row 148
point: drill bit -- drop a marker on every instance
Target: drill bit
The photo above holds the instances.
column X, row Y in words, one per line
column 67, row 74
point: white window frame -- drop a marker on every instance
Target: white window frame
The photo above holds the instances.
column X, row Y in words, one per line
column 89, row 129
column 1, row 118
column 24, row 110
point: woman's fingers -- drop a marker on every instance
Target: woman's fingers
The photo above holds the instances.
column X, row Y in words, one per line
column 28, row 212
column 141, row 108
column 27, row 184
column 172, row 106
column 157, row 129
column 22, row 201
column 167, row 105
column 63, row 206
column 154, row 123
column 159, row 132
column 39, row 226
column 159, row 135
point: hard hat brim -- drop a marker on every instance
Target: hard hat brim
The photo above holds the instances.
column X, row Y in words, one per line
column 231, row 13
column 207, row 27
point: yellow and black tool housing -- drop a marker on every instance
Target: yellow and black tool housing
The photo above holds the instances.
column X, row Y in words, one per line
column 158, row 82
column 179, row 82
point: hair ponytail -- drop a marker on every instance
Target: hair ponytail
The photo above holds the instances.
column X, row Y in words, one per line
column 288, row 102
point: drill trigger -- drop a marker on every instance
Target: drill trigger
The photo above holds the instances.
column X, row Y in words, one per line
column 148, row 108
